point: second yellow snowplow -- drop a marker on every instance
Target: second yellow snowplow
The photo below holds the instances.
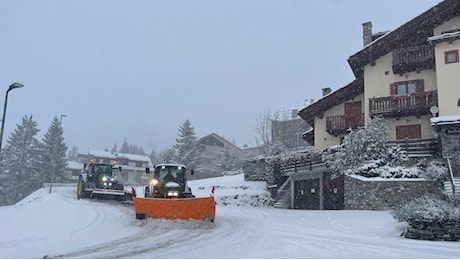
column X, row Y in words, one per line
column 168, row 197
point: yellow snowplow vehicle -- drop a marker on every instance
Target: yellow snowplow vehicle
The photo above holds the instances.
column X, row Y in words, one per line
column 168, row 196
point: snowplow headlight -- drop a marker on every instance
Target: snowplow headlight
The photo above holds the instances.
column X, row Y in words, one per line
column 104, row 178
column 154, row 182
column 173, row 193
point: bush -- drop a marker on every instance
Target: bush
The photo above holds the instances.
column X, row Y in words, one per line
column 427, row 209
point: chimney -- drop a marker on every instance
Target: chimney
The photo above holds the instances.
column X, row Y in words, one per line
column 367, row 33
column 326, row 91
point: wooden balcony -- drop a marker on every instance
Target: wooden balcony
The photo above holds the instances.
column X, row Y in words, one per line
column 416, row 148
column 413, row 59
column 336, row 125
column 409, row 105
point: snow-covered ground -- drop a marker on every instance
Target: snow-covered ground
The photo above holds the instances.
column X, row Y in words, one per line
column 59, row 225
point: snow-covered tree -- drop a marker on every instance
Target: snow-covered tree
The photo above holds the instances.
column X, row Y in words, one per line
column 130, row 148
column 73, row 153
column 114, row 149
column 275, row 148
column 186, row 146
column 153, row 157
column 166, row 156
column 20, row 164
column 365, row 149
column 53, row 156
column 226, row 161
column 124, row 147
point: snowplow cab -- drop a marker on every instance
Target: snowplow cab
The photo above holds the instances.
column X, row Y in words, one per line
column 168, row 181
column 102, row 176
column 99, row 181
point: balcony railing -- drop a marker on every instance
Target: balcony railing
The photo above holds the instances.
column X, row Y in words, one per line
column 336, row 125
column 413, row 104
column 417, row 147
column 413, row 59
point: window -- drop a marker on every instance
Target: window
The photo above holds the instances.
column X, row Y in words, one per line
column 406, row 87
column 451, row 56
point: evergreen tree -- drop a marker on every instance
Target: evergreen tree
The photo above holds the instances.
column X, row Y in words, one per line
column 225, row 161
column 153, row 157
column 366, row 147
column 124, row 147
column 275, row 148
column 114, row 149
column 73, row 153
column 19, row 175
column 167, row 156
column 54, row 150
column 186, row 147
column 131, row 148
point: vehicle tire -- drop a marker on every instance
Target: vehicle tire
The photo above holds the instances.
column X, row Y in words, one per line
column 140, row 216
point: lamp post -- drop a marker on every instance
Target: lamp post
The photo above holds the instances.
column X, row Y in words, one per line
column 12, row 86
column 60, row 121
column 52, row 159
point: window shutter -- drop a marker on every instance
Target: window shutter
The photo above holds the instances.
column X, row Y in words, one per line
column 393, row 89
column 420, row 87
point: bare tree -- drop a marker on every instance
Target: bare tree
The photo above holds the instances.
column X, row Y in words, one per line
column 263, row 129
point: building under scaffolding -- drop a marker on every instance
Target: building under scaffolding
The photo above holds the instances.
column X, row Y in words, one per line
column 288, row 127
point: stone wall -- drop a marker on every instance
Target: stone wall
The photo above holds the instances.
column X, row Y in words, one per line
column 385, row 194
column 447, row 231
column 450, row 138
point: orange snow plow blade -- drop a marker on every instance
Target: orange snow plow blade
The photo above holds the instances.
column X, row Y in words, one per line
column 191, row 208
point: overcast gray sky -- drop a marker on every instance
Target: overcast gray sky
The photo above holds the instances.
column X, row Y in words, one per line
column 139, row 69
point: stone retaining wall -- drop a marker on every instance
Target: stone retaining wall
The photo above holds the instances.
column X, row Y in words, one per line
column 448, row 231
column 385, row 194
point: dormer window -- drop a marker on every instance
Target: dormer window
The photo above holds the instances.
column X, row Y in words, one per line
column 451, row 56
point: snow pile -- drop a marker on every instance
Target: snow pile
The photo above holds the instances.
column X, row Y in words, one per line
column 233, row 190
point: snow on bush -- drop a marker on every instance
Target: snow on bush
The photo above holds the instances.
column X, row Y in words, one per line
column 433, row 170
column 365, row 152
column 236, row 191
column 427, row 208
column 262, row 199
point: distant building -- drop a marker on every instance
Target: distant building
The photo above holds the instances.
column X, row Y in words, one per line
column 288, row 128
column 132, row 165
column 210, row 147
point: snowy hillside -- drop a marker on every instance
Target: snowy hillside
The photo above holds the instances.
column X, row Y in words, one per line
column 57, row 225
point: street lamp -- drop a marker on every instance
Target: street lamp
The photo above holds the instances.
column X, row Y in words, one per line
column 60, row 121
column 52, row 162
column 12, row 86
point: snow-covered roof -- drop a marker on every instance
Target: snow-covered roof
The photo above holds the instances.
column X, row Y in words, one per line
column 413, row 33
column 74, row 165
column 445, row 120
column 444, row 36
column 131, row 157
column 102, row 154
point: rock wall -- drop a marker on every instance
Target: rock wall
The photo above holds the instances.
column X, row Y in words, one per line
column 385, row 194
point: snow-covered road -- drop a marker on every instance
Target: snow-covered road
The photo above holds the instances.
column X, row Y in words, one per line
column 59, row 226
